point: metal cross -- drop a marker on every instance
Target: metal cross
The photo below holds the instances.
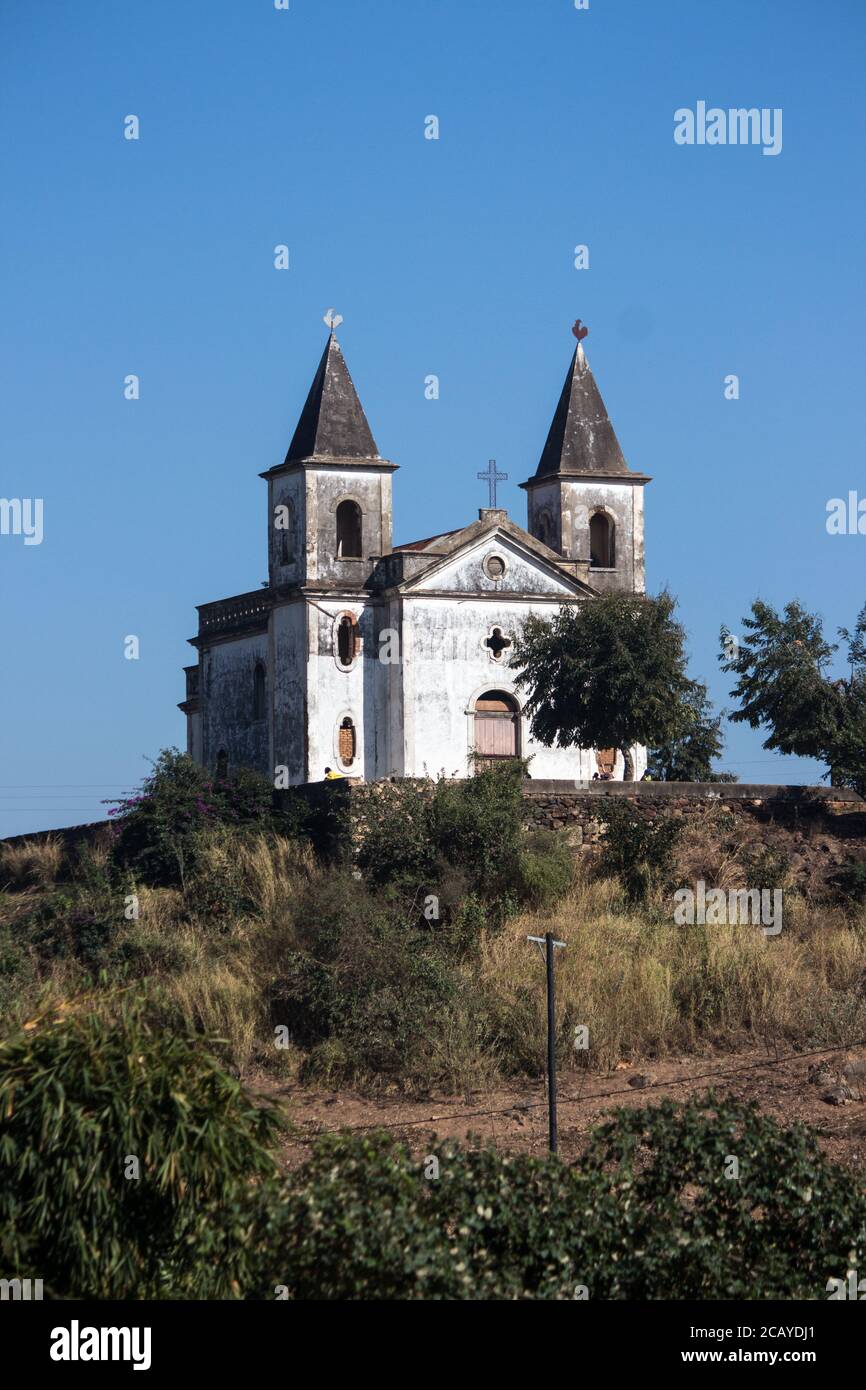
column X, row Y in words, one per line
column 491, row 478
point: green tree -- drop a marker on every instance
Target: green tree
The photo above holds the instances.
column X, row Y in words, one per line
column 607, row 673
column 689, row 758
column 784, row 686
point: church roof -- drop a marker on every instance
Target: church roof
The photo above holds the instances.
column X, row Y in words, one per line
column 422, row 545
column 581, row 438
column 332, row 423
column 442, row 549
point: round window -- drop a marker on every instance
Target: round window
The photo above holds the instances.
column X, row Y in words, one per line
column 494, row 566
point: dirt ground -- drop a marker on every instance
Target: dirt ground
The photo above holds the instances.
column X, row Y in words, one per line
column 787, row 1086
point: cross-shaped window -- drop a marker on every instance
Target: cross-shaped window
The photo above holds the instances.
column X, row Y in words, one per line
column 497, row 644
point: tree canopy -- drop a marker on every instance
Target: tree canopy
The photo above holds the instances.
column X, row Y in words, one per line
column 784, row 686
column 689, row 757
column 610, row 672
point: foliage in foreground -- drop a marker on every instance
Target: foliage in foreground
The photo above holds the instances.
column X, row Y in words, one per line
column 84, row 1095
column 652, row 1210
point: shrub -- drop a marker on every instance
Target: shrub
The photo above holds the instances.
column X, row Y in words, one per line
column 159, row 832
column 477, row 823
column 83, row 1090
column 650, row 1212
column 849, row 882
column 398, row 843
column 636, row 851
column 362, row 974
column 545, row 868
column 688, row 1226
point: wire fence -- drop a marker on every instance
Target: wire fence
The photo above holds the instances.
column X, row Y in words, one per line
column 521, row 1107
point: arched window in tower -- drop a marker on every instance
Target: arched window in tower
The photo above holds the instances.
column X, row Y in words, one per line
column 348, row 531
column 222, row 765
column 346, row 742
column 284, row 522
column 601, row 542
column 348, row 640
column 544, row 531
column 259, row 691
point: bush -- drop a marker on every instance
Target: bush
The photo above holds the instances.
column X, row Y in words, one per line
column 477, row 823
column 687, row 1226
column 82, row 1091
column 545, row 869
column 849, row 882
column 462, row 839
column 637, row 852
column 364, row 975
column 160, row 831
column 398, row 842
column 650, row 1212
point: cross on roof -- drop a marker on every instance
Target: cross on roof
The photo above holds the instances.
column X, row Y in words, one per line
column 491, row 477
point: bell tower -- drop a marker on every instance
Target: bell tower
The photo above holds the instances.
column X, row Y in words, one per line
column 583, row 499
column 329, row 501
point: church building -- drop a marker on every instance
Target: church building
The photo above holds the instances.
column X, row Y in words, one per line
column 381, row 660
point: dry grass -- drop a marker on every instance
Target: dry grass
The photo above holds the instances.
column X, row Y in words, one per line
column 31, row 863
column 646, row 987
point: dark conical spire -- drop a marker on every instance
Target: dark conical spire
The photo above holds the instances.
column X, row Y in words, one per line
column 332, row 423
column 581, row 438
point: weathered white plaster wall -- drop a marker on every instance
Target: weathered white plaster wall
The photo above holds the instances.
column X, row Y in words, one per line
column 446, row 668
column 288, row 648
column 227, row 703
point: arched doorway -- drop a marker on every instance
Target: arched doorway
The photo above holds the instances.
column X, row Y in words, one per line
column 497, row 725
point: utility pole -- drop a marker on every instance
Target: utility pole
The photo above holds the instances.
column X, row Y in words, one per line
column 550, row 946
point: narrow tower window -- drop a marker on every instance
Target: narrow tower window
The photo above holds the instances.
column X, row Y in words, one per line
column 346, row 743
column 348, row 531
column 544, row 529
column 601, row 542
column 348, row 639
column 285, row 524
column 259, row 691
column 222, row 765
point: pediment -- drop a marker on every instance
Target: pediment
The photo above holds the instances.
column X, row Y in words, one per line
column 497, row 562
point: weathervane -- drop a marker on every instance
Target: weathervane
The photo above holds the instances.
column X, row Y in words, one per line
column 333, row 320
column 491, row 478
column 579, row 330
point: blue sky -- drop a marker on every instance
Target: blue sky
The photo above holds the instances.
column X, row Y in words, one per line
column 455, row 257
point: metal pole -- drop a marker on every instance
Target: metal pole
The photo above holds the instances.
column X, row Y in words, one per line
column 551, row 1046
column 550, row 945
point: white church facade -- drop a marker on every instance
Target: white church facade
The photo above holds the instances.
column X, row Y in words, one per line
column 380, row 660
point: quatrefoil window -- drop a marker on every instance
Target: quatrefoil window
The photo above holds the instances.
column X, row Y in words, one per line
column 497, row 644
